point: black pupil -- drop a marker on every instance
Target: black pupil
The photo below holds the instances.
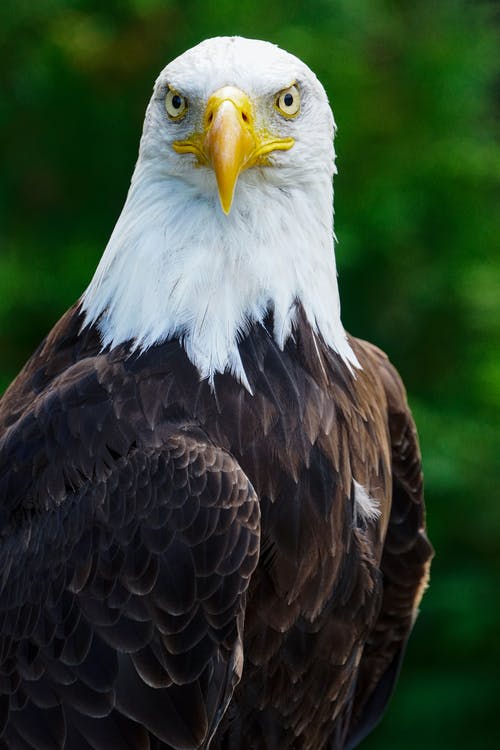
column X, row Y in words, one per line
column 176, row 101
column 288, row 100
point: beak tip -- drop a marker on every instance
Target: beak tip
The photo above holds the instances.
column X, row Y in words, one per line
column 226, row 204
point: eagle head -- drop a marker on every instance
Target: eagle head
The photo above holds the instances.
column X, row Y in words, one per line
column 234, row 114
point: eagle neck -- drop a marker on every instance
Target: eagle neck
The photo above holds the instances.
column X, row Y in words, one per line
column 177, row 267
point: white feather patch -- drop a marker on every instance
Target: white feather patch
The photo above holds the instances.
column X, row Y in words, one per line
column 366, row 508
column 176, row 266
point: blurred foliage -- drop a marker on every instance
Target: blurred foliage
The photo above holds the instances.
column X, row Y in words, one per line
column 414, row 88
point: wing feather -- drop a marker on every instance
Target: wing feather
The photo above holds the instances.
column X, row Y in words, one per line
column 405, row 561
column 123, row 590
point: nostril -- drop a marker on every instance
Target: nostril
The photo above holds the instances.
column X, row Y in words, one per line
column 244, row 117
column 210, row 118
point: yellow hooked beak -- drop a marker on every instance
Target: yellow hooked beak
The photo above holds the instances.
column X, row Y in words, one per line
column 229, row 143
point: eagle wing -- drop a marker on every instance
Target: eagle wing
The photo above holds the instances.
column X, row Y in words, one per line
column 123, row 576
column 405, row 562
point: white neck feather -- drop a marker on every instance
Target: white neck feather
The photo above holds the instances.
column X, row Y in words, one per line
column 176, row 266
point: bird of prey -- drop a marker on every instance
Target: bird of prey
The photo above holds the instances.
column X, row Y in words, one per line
column 212, row 526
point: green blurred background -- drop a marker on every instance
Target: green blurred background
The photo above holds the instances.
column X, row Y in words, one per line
column 415, row 91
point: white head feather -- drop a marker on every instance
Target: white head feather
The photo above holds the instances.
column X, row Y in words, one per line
column 177, row 266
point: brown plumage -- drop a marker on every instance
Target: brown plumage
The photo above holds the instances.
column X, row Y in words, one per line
column 160, row 539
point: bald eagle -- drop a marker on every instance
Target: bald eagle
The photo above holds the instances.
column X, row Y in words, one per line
column 212, row 525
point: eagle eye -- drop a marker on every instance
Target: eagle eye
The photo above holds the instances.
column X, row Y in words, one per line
column 288, row 102
column 175, row 104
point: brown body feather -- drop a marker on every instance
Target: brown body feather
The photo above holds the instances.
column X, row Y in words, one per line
column 160, row 540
